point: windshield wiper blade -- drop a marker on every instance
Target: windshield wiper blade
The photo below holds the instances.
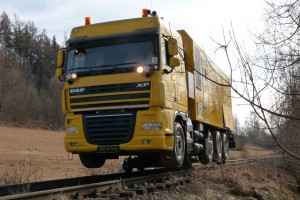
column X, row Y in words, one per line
column 103, row 66
column 126, row 63
column 83, row 68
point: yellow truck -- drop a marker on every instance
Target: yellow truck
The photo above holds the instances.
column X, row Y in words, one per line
column 138, row 88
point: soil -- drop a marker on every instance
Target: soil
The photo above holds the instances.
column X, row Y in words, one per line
column 28, row 155
column 42, row 154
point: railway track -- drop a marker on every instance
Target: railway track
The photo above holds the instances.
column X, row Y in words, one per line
column 111, row 186
column 107, row 186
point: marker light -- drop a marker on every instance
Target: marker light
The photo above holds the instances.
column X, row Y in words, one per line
column 87, row 20
column 145, row 12
column 140, row 69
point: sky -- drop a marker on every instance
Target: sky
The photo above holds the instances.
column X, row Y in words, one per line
column 204, row 20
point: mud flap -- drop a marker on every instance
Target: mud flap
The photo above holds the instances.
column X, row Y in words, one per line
column 232, row 144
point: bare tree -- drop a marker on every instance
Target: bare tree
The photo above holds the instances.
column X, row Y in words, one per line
column 269, row 79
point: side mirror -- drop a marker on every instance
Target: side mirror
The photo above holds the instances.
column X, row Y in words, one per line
column 58, row 72
column 172, row 47
column 174, row 62
column 60, row 58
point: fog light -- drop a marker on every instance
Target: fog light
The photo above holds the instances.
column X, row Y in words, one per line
column 148, row 141
column 152, row 126
column 72, row 130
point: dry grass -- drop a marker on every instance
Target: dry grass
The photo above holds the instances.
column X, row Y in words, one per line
column 20, row 171
column 251, row 152
column 260, row 180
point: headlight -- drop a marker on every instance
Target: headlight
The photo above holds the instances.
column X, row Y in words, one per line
column 72, row 130
column 152, row 126
column 147, row 69
column 71, row 76
column 140, row 69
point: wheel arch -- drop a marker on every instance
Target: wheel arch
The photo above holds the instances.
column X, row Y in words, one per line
column 180, row 118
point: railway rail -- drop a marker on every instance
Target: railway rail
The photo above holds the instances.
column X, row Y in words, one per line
column 112, row 186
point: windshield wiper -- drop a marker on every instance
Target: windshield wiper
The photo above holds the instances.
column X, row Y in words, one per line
column 104, row 66
column 108, row 68
column 126, row 63
column 85, row 70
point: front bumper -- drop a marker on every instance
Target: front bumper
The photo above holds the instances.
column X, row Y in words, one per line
column 142, row 140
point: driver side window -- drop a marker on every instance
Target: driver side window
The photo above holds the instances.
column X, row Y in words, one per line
column 165, row 53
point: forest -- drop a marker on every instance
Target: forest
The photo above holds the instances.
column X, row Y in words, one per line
column 29, row 93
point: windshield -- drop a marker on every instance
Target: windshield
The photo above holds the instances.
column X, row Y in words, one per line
column 115, row 55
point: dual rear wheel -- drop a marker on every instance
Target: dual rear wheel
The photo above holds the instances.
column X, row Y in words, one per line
column 216, row 147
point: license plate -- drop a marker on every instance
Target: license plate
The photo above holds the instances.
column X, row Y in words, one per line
column 109, row 149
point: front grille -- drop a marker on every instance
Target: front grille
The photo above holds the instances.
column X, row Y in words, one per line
column 124, row 87
column 106, row 97
column 109, row 128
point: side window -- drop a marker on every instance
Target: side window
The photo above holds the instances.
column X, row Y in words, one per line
column 165, row 52
column 198, row 67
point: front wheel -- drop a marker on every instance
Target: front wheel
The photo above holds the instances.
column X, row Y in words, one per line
column 92, row 160
column 175, row 159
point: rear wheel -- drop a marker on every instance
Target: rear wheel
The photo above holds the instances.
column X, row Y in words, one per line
column 217, row 140
column 92, row 160
column 207, row 155
column 225, row 148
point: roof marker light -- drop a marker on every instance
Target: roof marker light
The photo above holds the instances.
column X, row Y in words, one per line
column 87, row 20
column 145, row 12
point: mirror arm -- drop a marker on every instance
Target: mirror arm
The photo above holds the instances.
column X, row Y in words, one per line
column 168, row 72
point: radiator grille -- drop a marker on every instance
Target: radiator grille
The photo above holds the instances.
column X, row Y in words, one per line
column 99, row 98
column 109, row 128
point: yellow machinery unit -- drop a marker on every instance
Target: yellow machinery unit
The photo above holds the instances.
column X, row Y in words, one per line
column 136, row 87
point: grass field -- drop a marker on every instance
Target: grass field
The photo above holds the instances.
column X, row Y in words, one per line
column 31, row 154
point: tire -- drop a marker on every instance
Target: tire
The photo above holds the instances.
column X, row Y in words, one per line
column 127, row 165
column 206, row 157
column 92, row 160
column 217, row 140
column 225, row 147
column 188, row 163
column 174, row 160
